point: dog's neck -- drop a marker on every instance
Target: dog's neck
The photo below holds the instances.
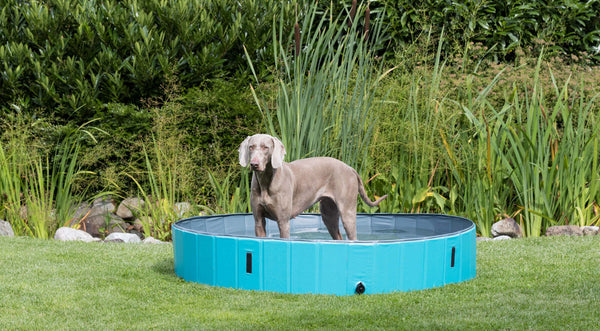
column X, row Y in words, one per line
column 264, row 178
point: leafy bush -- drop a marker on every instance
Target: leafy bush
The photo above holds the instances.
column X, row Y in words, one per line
column 566, row 26
column 66, row 58
column 217, row 120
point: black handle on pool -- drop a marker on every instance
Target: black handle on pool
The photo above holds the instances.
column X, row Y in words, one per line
column 360, row 288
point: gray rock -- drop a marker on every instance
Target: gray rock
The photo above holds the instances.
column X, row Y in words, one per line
column 128, row 206
column 70, row 234
column 138, row 226
column 117, row 225
column 137, row 233
column 126, row 237
column 564, row 230
column 102, row 224
column 503, row 237
column 151, row 240
column 483, row 239
column 81, row 210
column 590, row 230
column 507, row 227
column 6, row 229
column 102, row 206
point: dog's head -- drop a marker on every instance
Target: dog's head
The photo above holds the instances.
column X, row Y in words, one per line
column 259, row 150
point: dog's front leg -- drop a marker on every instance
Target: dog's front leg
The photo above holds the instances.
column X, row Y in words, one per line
column 259, row 225
column 284, row 228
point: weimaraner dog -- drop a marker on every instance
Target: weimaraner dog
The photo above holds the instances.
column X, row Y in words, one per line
column 281, row 190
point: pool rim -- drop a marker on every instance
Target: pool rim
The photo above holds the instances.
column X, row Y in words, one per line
column 470, row 227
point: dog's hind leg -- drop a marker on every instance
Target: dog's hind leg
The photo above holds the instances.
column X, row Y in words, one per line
column 349, row 222
column 331, row 218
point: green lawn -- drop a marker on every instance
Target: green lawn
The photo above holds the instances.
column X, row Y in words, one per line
column 535, row 283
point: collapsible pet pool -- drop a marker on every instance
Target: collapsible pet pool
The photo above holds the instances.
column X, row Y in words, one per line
column 395, row 252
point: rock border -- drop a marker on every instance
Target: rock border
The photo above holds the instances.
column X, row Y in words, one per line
column 508, row 228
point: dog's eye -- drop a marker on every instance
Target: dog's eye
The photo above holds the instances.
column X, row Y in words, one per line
column 264, row 148
column 251, row 148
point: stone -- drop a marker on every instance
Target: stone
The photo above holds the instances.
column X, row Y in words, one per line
column 102, row 224
column 117, row 225
column 564, row 230
column 6, row 229
column 590, row 230
column 138, row 225
column 507, row 227
column 70, row 234
column 137, row 233
column 478, row 239
column 151, row 240
column 81, row 210
column 503, row 237
column 126, row 237
column 102, row 206
column 128, row 206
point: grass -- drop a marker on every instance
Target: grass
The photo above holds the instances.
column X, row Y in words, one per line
column 534, row 283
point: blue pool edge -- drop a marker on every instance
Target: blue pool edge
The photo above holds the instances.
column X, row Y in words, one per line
column 326, row 266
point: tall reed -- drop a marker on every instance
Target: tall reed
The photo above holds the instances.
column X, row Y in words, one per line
column 475, row 162
column 326, row 90
column 532, row 155
column 416, row 158
column 38, row 188
column 229, row 196
column 535, row 158
column 13, row 165
column 553, row 158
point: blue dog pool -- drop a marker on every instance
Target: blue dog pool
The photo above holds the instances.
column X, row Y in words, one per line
column 395, row 252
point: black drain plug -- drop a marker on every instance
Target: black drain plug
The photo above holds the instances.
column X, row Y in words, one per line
column 360, row 288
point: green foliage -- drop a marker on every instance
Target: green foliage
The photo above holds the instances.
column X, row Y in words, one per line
column 326, row 89
column 569, row 27
column 168, row 173
column 228, row 201
column 489, row 150
column 217, row 119
column 552, row 159
column 66, row 58
column 166, row 82
column 37, row 185
column 159, row 211
column 406, row 149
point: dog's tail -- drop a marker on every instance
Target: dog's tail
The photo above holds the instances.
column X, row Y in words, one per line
column 363, row 194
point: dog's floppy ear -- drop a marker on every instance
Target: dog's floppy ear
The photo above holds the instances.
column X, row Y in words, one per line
column 244, row 157
column 278, row 153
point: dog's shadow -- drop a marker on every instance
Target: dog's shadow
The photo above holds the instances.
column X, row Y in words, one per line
column 165, row 267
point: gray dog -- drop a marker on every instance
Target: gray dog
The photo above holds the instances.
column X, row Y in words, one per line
column 281, row 190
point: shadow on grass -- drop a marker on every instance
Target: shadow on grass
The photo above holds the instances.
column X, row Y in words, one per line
column 165, row 267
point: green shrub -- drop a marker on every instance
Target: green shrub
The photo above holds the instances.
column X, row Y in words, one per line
column 67, row 58
column 568, row 27
column 218, row 118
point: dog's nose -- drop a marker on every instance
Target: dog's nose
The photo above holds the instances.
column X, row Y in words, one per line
column 254, row 165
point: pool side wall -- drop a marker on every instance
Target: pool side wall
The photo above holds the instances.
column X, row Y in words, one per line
column 323, row 267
